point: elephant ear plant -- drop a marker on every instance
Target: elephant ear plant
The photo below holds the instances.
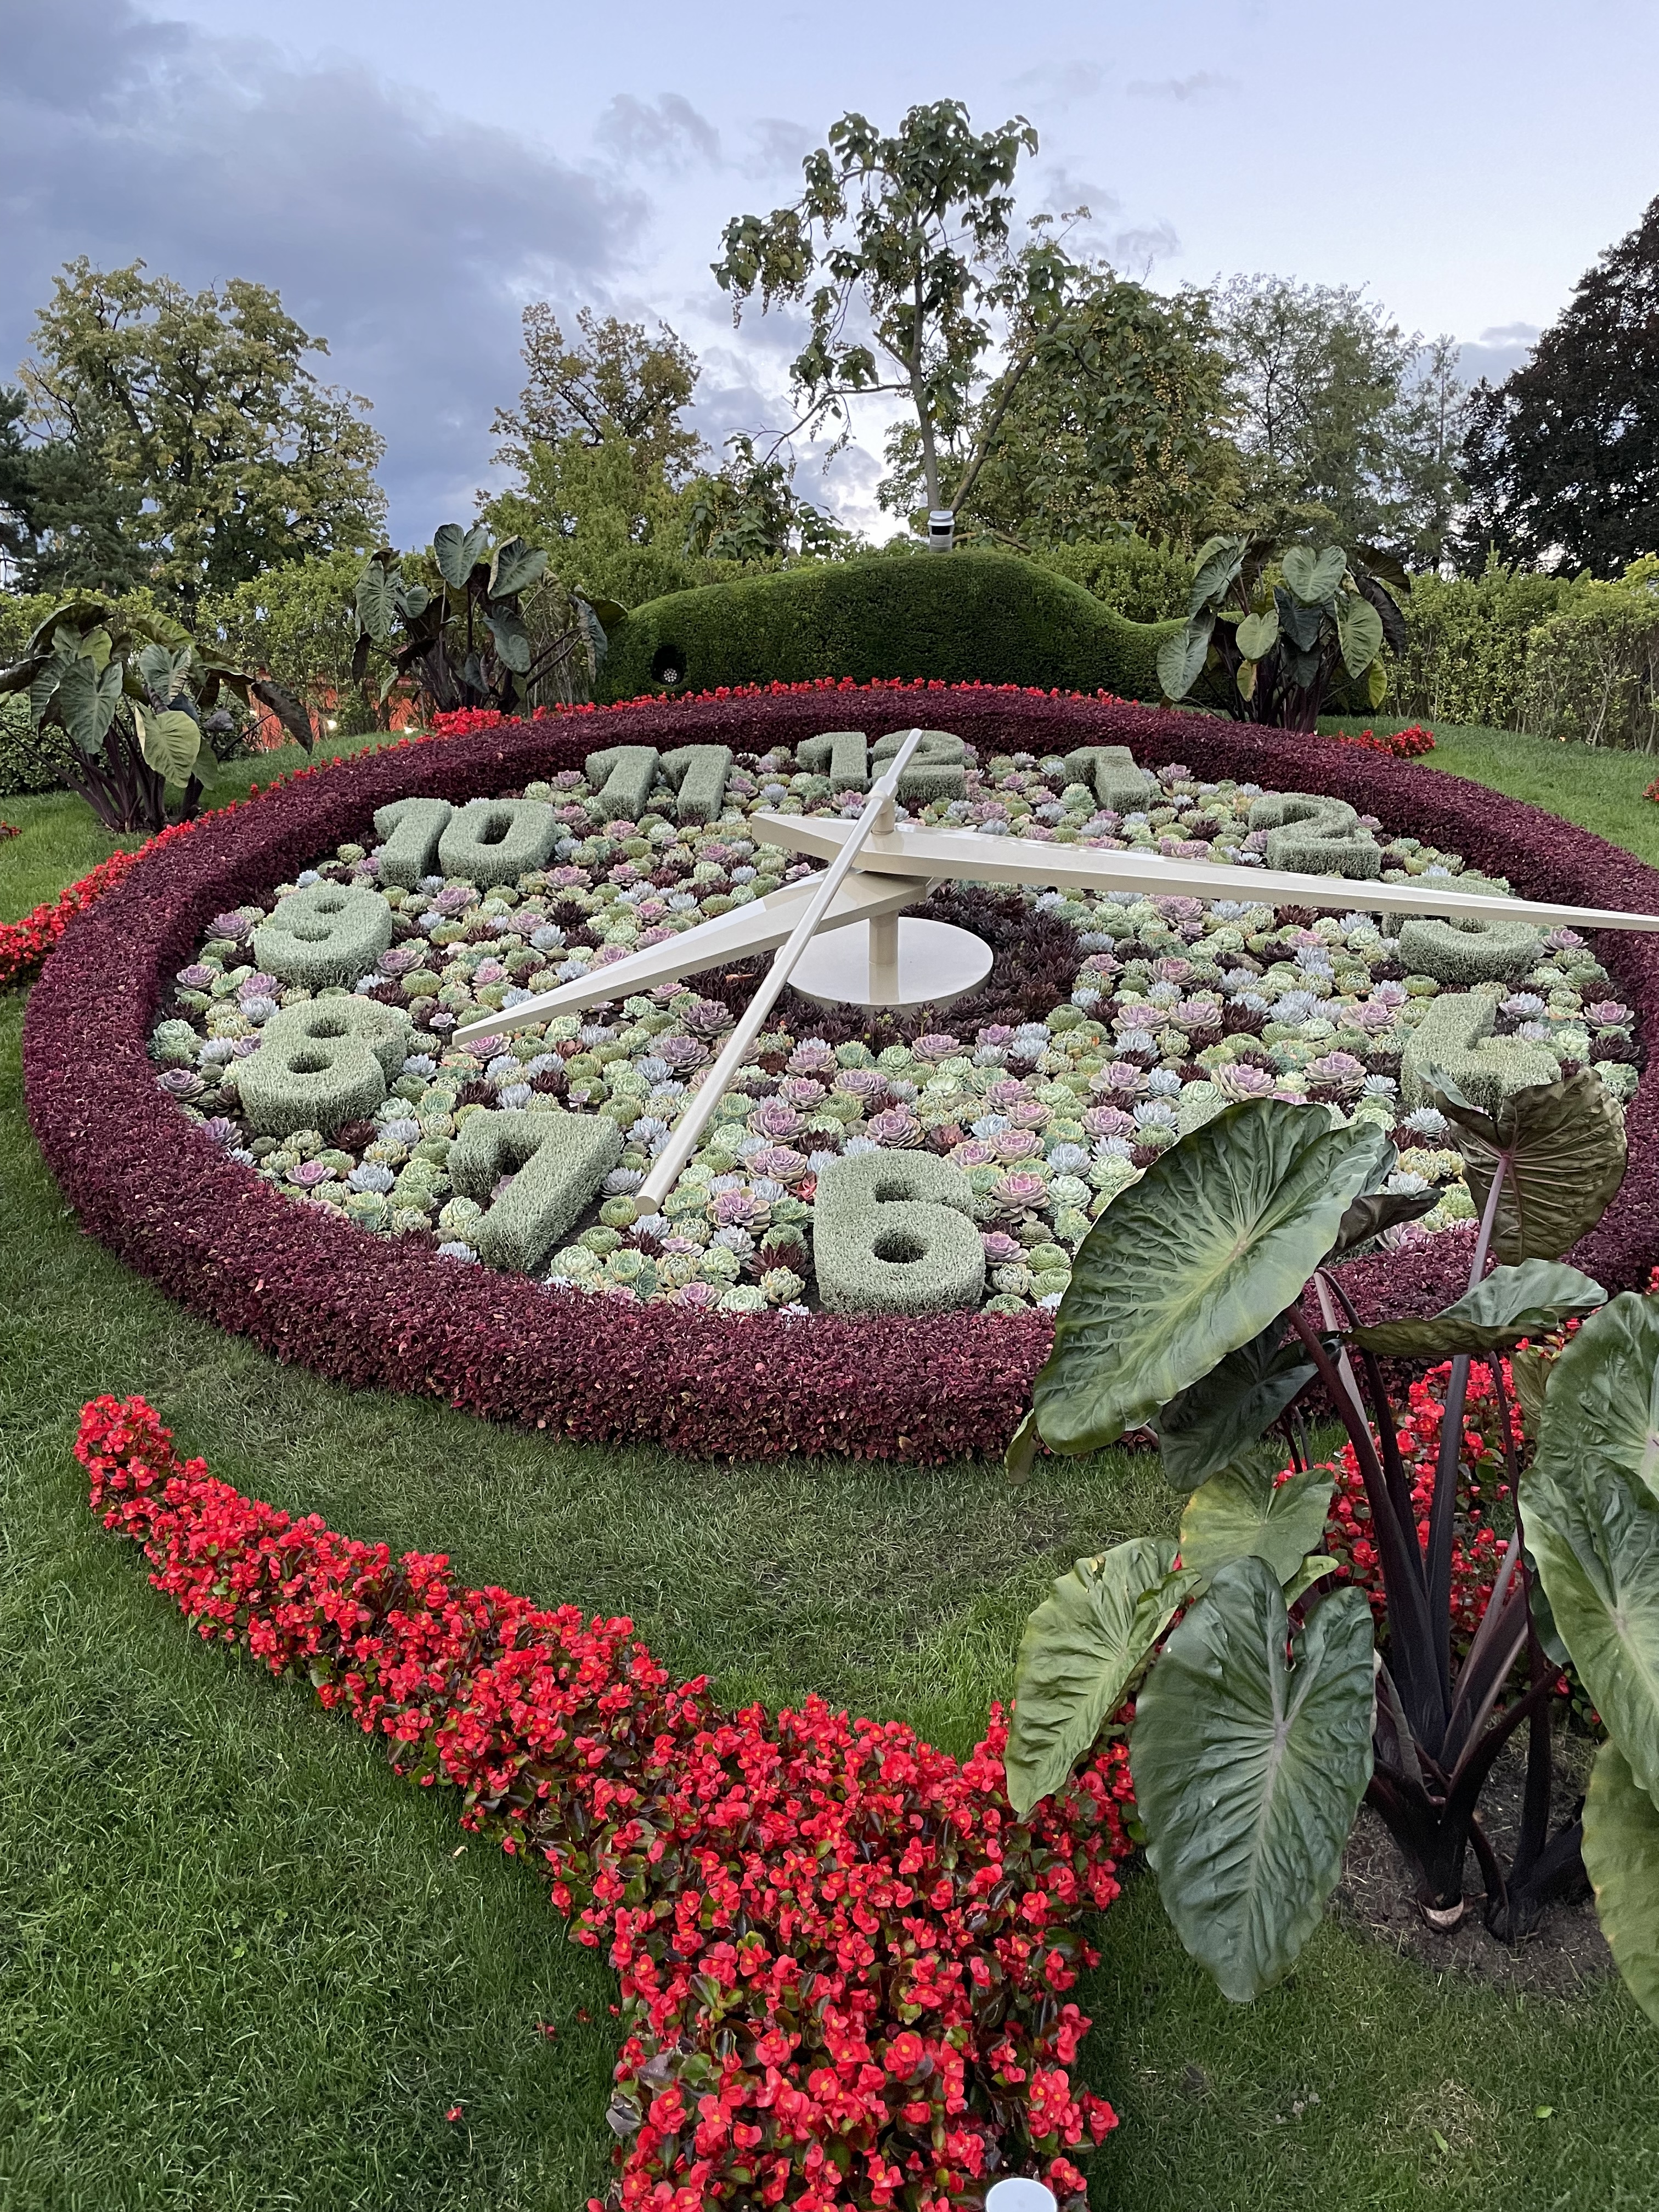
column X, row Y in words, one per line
column 1265, row 1707
column 1272, row 648
column 135, row 704
column 497, row 631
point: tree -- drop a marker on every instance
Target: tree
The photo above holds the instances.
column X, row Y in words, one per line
column 900, row 246
column 1562, row 458
column 750, row 511
column 1350, row 427
column 614, row 382
column 1115, row 424
column 199, row 411
column 63, row 524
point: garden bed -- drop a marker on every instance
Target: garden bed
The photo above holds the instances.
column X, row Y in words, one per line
column 373, row 1312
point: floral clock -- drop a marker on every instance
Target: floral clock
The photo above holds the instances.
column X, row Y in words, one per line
column 383, row 1069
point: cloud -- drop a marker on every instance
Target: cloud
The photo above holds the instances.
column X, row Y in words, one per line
column 1180, row 88
column 779, row 144
column 1135, row 250
column 1060, row 85
column 1496, row 352
column 669, row 135
column 409, row 238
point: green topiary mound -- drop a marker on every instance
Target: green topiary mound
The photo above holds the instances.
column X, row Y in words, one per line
column 966, row 617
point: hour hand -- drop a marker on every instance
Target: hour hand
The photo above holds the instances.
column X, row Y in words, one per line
column 760, row 926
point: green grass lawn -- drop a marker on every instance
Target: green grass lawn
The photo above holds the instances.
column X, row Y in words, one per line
column 241, row 1966
column 1598, row 789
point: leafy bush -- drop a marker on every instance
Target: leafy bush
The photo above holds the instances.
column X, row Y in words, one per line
column 487, row 627
column 1146, row 583
column 969, row 617
column 1272, row 630
column 1592, row 669
column 132, row 707
column 1201, row 1304
column 1465, row 656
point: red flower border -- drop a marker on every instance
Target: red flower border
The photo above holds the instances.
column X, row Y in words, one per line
column 375, row 1314
column 846, row 1966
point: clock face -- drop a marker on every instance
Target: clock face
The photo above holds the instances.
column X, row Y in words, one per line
column 314, row 1032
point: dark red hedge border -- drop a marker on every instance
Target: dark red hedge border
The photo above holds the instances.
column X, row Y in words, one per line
column 379, row 1315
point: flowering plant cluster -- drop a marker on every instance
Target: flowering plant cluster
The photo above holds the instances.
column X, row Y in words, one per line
column 24, row 944
column 847, row 1971
column 1485, row 1503
column 387, row 1312
column 1111, row 1024
column 1399, row 744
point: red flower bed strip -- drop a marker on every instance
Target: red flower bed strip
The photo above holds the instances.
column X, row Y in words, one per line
column 376, row 1314
column 846, row 1966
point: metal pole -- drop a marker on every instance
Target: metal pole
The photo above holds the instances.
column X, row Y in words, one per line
column 877, row 816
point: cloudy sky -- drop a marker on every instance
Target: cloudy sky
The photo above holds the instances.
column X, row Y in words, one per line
column 408, row 182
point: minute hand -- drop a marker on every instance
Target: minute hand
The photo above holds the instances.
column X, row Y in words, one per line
column 965, row 856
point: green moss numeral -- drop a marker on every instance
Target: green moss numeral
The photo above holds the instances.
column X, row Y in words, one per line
column 892, row 1233
column 558, row 1163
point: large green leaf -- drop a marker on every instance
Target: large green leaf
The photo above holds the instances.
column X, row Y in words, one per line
column 1313, row 577
column 1181, row 657
column 1248, row 1766
column 1511, row 1303
column 1081, row 1651
column 75, row 616
column 1245, row 1512
column 515, row 567
column 1204, row 1428
column 1374, row 1211
column 1258, row 634
column 1564, row 1143
column 86, row 699
column 511, row 639
column 457, row 552
column 1220, row 1234
column 1622, row 1856
column 1300, row 626
column 1218, row 562
column 1360, row 628
column 165, row 672
column 1530, row 1370
column 377, row 592
column 159, row 630
column 170, row 742
column 1589, row 1504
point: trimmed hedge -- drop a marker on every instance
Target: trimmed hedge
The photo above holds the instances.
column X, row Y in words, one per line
column 373, row 1313
column 970, row 618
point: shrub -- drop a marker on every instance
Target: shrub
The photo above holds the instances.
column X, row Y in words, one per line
column 969, row 617
column 1201, row 1304
column 1465, row 659
column 1592, row 668
column 1144, row 583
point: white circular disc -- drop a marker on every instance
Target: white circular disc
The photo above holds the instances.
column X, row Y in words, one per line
column 936, row 964
column 1020, row 2193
